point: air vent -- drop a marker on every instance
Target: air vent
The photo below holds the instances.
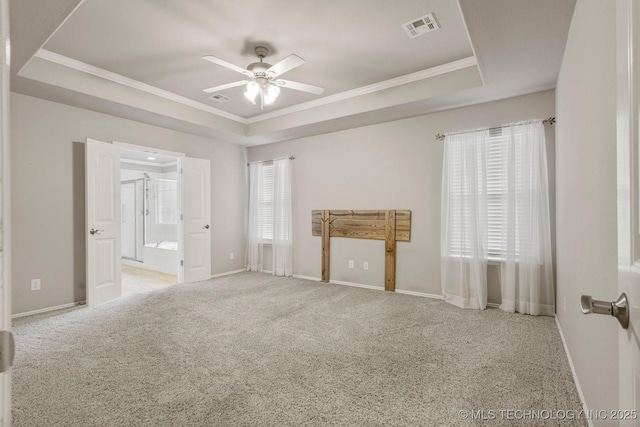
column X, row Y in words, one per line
column 424, row 24
column 218, row 97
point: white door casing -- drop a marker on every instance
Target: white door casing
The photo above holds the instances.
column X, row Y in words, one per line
column 196, row 207
column 102, row 169
column 628, row 27
column 5, row 225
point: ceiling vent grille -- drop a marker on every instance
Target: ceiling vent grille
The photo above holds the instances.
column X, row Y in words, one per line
column 218, row 97
column 424, row 24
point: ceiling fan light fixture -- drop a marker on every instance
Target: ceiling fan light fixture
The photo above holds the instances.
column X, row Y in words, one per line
column 271, row 93
column 253, row 89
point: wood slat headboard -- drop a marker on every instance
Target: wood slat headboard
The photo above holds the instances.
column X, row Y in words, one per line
column 389, row 225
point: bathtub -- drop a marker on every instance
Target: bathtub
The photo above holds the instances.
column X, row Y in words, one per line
column 164, row 245
column 161, row 256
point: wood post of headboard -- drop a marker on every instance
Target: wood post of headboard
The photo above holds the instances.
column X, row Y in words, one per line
column 390, row 251
column 326, row 239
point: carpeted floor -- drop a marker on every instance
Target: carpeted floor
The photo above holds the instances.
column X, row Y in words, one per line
column 255, row 350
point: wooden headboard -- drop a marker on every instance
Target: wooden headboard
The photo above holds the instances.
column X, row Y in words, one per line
column 389, row 225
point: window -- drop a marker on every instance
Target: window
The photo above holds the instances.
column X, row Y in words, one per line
column 167, row 202
column 497, row 178
column 266, row 205
column 270, row 215
column 495, row 207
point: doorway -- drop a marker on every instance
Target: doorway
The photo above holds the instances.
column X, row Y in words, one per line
column 103, row 211
column 149, row 195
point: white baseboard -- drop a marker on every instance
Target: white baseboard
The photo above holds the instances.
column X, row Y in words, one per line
column 339, row 282
column 493, row 305
column 375, row 288
column 419, row 294
column 573, row 372
column 228, row 273
column 356, row 285
column 314, row 279
column 45, row 310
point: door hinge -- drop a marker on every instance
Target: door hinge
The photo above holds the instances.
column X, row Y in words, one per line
column 181, row 217
column 7, row 350
column 181, row 171
column 181, row 263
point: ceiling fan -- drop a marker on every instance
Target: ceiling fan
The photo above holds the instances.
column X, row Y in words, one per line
column 263, row 79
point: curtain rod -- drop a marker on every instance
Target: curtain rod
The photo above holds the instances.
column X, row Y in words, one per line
column 267, row 161
column 550, row 120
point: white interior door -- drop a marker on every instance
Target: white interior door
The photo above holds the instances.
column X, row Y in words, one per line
column 102, row 166
column 628, row 205
column 196, row 203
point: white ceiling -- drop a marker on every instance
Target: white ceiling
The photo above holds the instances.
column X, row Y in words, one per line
column 142, row 59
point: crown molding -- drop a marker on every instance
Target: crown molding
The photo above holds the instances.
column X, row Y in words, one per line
column 364, row 90
column 375, row 87
column 135, row 84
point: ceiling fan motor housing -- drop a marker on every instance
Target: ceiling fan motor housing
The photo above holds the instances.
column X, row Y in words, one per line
column 259, row 68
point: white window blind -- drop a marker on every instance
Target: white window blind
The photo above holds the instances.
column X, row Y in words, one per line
column 460, row 192
column 266, row 202
column 496, row 191
column 167, row 201
column 495, row 172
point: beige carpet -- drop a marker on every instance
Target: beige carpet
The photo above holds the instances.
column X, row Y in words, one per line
column 255, row 350
column 136, row 280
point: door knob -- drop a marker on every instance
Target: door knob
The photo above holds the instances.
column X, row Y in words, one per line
column 206, row 226
column 618, row 308
column 94, row 231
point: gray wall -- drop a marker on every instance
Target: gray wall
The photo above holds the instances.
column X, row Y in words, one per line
column 586, row 197
column 395, row 165
column 47, row 190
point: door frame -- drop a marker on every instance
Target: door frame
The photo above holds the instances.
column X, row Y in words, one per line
column 179, row 157
column 5, row 205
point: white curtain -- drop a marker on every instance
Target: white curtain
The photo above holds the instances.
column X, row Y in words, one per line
column 270, row 216
column 282, row 243
column 495, row 206
column 526, row 271
column 254, row 246
column 464, row 220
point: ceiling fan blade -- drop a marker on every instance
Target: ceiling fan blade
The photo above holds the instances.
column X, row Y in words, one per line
column 299, row 86
column 288, row 63
column 227, row 86
column 228, row 65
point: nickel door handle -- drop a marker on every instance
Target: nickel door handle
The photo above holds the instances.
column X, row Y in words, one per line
column 95, row 231
column 618, row 308
column 206, row 226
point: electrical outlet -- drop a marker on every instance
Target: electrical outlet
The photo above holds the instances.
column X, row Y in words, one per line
column 35, row 284
column 231, row 255
column 365, row 265
column 564, row 304
column 351, row 264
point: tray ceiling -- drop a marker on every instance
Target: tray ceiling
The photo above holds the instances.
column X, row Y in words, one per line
column 142, row 59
